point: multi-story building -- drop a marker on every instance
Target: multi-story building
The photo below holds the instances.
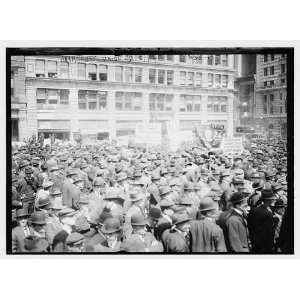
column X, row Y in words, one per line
column 18, row 99
column 271, row 94
column 106, row 96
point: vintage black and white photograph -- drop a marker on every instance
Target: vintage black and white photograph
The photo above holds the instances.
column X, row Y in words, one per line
column 150, row 151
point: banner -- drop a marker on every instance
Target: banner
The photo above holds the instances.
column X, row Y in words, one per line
column 232, row 146
column 149, row 134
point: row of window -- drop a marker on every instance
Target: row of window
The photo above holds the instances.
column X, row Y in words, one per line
column 271, row 83
column 271, row 57
column 128, row 74
column 270, row 71
column 128, row 101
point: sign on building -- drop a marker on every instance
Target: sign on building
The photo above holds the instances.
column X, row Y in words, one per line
column 232, row 146
column 149, row 134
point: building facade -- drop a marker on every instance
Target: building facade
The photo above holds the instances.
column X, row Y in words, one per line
column 106, row 96
column 271, row 94
column 18, row 99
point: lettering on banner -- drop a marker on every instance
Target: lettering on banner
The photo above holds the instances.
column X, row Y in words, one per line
column 232, row 146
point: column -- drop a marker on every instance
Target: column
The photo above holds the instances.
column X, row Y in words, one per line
column 230, row 115
column 145, row 107
column 111, row 114
column 74, row 114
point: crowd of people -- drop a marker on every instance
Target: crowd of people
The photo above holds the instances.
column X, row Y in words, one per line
column 110, row 198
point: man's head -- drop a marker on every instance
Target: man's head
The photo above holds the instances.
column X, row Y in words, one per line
column 22, row 217
column 139, row 223
column 268, row 197
column 239, row 202
column 38, row 221
column 75, row 242
column 112, row 230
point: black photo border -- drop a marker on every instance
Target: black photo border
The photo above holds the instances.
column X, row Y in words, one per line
column 289, row 51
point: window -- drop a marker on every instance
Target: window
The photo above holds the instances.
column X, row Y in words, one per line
column 282, row 68
column 64, row 96
column 152, row 75
column 272, row 70
column 160, row 102
column 40, row 68
column 170, row 57
column 271, row 82
column 218, row 80
column 52, row 96
column 152, row 57
column 119, row 100
column 52, row 69
column 46, row 98
column 91, row 100
column 265, row 71
column 190, row 103
column 82, row 100
column 161, row 57
column 170, row 77
column 272, row 57
column 281, row 109
column 138, row 74
column 217, row 60
column 190, row 78
column 128, row 101
column 102, row 69
column 216, row 104
column 64, row 70
column 128, row 74
column 225, row 60
column 265, row 57
column 282, row 81
column 198, row 79
column 265, row 83
column 271, row 104
column 81, row 71
column 119, row 74
column 92, row 72
column 12, row 83
column 210, row 60
column 41, row 96
column 265, row 104
column 210, row 79
column 161, row 76
column 182, row 77
column 182, row 58
column 102, row 98
column 225, row 81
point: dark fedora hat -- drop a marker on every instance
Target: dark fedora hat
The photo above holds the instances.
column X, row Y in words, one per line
column 237, row 197
column 180, row 218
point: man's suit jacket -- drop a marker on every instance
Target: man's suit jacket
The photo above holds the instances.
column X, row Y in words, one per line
column 236, row 233
column 206, row 236
column 261, row 229
column 18, row 237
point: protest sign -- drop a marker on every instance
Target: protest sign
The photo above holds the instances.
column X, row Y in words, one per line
column 232, row 146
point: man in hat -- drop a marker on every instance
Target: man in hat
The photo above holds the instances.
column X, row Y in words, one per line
column 68, row 187
column 75, row 193
column 56, row 177
column 112, row 230
column 136, row 206
column 98, row 237
column 234, row 224
column 114, row 203
column 206, row 235
column 20, row 232
column 176, row 239
column 38, row 223
column 254, row 199
column 140, row 236
column 75, row 242
column 261, row 224
column 27, row 188
column 15, row 197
